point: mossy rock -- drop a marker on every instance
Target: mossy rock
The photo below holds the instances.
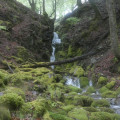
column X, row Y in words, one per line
column 68, row 108
column 104, row 109
column 102, row 81
column 104, row 116
column 87, row 101
column 12, row 101
column 103, row 89
column 110, row 85
column 37, row 107
column 91, row 90
column 78, row 113
column 101, row 103
column 57, row 116
column 109, row 94
column 15, row 90
column 77, row 71
column 90, row 109
column 71, row 88
column 84, row 82
column 4, row 114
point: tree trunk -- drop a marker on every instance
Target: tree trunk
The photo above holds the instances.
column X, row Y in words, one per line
column 113, row 27
column 55, row 11
column 32, row 5
column 44, row 7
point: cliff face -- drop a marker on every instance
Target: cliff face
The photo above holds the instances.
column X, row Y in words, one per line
column 22, row 28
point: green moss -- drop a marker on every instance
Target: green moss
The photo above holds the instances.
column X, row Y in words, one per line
column 102, row 81
column 101, row 103
column 90, row 109
column 103, row 89
column 47, row 116
column 4, row 114
column 18, row 91
column 4, row 77
column 101, row 116
column 79, row 71
column 72, row 89
column 110, row 85
column 37, row 107
column 84, row 82
column 12, row 101
column 57, row 116
column 104, row 109
column 79, row 114
column 68, row 108
column 91, row 90
column 87, row 101
column 22, row 53
column 109, row 94
column 72, row 20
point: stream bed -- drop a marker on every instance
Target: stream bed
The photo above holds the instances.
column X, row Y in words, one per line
column 114, row 102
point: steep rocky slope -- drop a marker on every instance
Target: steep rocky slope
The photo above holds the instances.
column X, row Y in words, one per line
column 24, row 33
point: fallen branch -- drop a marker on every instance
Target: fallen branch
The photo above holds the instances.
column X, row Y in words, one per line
column 46, row 64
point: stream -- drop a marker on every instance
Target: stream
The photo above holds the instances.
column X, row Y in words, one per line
column 74, row 81
column 114, row 102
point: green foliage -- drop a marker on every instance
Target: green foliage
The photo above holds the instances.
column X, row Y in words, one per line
column 101, row 103
column 12, row 101
column 4, row 114
column 72, row 20
column 102, row 81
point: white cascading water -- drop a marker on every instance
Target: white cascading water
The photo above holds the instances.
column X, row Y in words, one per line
column 55, row 41
column 74, row 81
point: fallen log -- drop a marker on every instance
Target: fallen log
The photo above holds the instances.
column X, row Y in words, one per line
column 46, row 64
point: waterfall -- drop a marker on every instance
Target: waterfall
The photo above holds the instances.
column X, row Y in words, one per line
column 55, row 41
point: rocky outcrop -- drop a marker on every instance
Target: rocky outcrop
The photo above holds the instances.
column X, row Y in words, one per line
column 19, row 26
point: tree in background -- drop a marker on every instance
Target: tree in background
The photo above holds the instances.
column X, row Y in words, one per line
column 33, row 4
column 110, row 4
